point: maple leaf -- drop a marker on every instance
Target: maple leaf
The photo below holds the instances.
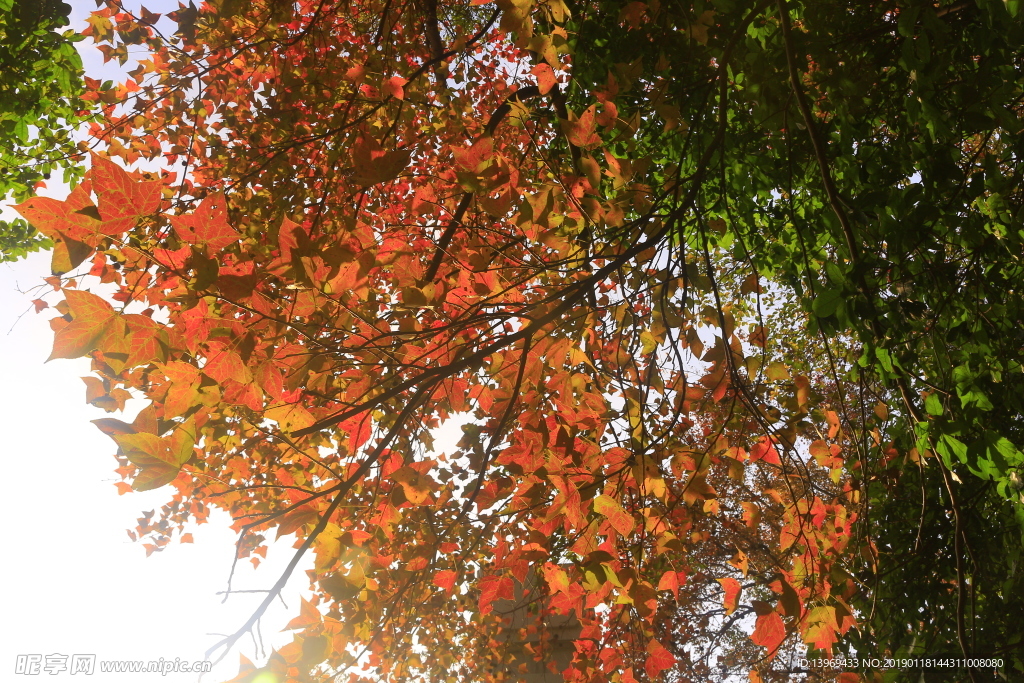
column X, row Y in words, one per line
column 393, row 87
column 769, row 632
column 92, row 316
column 555, row 577
column 658, row 659
column 445, row 579
column 621, row 520
column 494, row 588
column 207, row 225
column 581, row 131
column 475, row 158
column 545, row 78
column 308, row 616
column 373, row 165
column 416, row 486
column 699, row 29
column 822, row 629
column 158, row 458
column 731, row 597
column 290, row 417
column 123, row 199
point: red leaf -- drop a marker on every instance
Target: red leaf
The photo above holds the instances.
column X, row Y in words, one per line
column 75, row 217
column 474, row 159
column 122, row 199
column 172, row 260
column 207, row 225
column 494, row 588
column 224, row 364
column 658, row 659
column 765, row 450
column 143, row 340
column 445, row 579
column 769, row 632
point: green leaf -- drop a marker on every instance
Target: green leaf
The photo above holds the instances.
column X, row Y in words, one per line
column 950, row 446
column 826, row 303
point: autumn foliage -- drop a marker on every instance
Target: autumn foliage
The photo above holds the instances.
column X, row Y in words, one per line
column 376, row 219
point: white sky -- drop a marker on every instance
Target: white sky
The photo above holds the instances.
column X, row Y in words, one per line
column 76, row 583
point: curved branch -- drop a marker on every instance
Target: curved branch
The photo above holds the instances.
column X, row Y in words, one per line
column 467, row 198
column 342, row 489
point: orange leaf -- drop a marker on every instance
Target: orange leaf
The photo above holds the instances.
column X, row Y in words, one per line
column 822, row 631
column 545, row 76
column 224, row 364
column 75, row 217
column 475, row 158
column 555, row 577
column 581, row 131
column 669, row 582
column 207, row 225
column 494, row 588
column 143, row 340
column 658, row 659
column 621, row 520
column 86, row 306
column 417, row 487
column 393, row 87
column 309, row 615
column 769, row 632
column 765, row 450
column 122, row 199
column 445, row 579
column 732, row 590
column 833, row 423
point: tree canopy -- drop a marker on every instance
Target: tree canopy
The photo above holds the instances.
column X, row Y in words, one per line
column 726, row 297
column 40, row 83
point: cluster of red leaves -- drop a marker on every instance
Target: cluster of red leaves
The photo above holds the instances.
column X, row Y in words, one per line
column 371, row 238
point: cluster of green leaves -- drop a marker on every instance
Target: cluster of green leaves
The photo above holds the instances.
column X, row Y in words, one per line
column 40, row 107
column 871, row 163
